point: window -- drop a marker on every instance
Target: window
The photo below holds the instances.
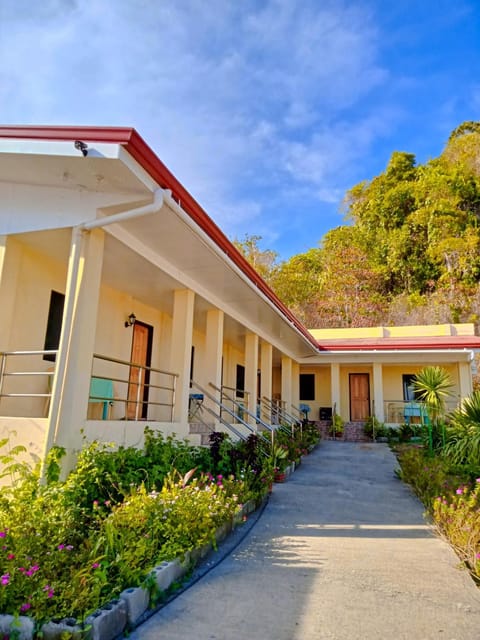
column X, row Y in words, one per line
column 409, row 395
column 307, row 386
column 240, row 381
column 54, row 324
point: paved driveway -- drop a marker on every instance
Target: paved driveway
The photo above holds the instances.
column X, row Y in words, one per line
column 342, row 551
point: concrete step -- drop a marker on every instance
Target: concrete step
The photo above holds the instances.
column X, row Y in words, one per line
column 200, row 427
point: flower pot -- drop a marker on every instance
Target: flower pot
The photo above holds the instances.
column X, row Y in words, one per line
column 280, row 476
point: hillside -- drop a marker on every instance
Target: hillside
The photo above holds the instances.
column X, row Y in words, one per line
column 408, row 253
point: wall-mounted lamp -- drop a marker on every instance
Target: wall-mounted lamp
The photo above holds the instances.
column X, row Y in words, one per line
column 131, row 320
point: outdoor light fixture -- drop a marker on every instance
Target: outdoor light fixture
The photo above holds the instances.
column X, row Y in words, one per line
column 131, row 320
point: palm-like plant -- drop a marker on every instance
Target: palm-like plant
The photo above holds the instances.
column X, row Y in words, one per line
column 463, row 446
column 432, row 387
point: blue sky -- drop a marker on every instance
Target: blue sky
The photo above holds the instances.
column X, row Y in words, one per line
column 267, row 111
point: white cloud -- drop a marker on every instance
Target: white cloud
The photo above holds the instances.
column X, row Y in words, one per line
column 235, row 97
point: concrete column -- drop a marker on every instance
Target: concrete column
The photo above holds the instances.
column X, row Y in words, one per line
column 266, row 367
column 251, row 372
column 10, row 256
column 378, row 392
column 335, row 386
column 214, row 350
column 465, row 379
column 181, row 350
column 287, row 384
column 71, row 384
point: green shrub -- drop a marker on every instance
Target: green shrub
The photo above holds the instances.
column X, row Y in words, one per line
column 374, row 428
column 458, row 518
column 67, row 547
column 463, row 433
column 451, row 495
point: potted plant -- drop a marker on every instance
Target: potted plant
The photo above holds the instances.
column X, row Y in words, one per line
column 336, row 428
column 279, row 461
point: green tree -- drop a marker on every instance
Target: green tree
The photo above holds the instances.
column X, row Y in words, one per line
column 263, row 261
column 297, row 283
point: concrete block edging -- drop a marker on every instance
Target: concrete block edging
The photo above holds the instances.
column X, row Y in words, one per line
column 132, row 606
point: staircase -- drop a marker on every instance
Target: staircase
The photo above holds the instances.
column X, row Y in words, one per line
column 352, row 431
column 203, row 430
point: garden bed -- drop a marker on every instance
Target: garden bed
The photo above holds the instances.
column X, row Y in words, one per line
column 68, row 547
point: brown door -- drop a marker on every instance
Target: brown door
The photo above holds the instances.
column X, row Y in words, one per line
column 139, row 378
column 359, row 396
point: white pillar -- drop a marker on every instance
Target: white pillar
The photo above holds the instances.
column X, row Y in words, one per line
column 335, row 388
column 266, row 367
column 287, row 383
column 378, row 392
column 251, row 373
column 71, row 384
column 181, row 350
column 213, row 356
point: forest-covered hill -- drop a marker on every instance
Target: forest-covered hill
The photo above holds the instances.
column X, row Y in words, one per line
column 409, row 252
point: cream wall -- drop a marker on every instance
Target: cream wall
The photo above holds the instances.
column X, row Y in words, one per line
column 393, row 387
column 231, row 357
column 29, row 432
column 35, row 277
column 113, row 339
column 323, row 390
column 199, row 342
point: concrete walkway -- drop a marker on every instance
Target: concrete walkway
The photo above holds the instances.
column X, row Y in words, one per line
column 341, row 552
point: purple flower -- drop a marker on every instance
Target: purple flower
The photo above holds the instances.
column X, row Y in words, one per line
column 477, row 480
column 69, row 547
column 61, row 547
column 3, row 534
column 5, row 579
column 459, row 491
column 25, row 606
column 32, row 570
column 95, row 565
column 49, row 590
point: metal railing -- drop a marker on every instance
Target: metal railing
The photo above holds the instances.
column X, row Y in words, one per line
column 401, row 411
column 22, row 381
column 143, row 397
column 279, row 416
column 237, row 399
column 240, row 411
column 217, row 414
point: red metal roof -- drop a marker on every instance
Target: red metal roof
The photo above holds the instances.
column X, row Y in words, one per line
column 145, row 156
column 400, row 344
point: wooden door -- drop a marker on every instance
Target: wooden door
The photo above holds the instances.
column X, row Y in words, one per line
column 359, row 396
column 139, row 378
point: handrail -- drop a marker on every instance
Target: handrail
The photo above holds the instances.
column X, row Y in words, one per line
column 220, row 404
column 4, row 373
column 284, row 415
column 141, row 384
column 244, row 410
column 394, row 410
column 242, row 397
column 133, row 364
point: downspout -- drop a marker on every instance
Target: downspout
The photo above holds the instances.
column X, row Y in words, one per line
column 78, row 234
